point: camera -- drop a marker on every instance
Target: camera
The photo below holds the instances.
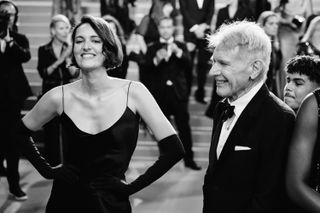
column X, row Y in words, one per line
column 4, row 22
column 297, row 21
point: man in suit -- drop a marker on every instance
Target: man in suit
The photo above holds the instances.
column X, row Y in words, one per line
column 251, row 129
column 169, row 61
column 197, row 16
column 14, row 89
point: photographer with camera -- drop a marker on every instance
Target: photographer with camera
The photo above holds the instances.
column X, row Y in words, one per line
column 14, row 89
column 292, row 23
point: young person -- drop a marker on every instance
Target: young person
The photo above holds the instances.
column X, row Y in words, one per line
column 303, row 77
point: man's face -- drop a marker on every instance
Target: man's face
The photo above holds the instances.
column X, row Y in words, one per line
column 296, row 88
column 231, row 72
column 166, row 28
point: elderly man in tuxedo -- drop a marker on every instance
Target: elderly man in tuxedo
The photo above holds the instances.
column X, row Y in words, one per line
column 251, row 129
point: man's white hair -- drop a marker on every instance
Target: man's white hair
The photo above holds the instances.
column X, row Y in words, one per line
column 249, row 37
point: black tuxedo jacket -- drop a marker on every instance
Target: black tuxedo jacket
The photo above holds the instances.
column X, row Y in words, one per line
column 14, row 86
column 251, row 180
column 192, row 14
column 177, row 70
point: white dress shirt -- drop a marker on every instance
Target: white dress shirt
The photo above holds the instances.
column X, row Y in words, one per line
column 200, row 3
column 3, row 45
column 239, row 106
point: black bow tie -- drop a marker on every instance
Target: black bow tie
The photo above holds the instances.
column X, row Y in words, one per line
column 227, row 111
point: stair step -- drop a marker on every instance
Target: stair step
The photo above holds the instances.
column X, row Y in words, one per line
column 39, row 17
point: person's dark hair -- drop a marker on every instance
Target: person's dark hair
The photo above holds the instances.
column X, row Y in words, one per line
column 8, row 2
column 306, row 65
column 166, row 18
column 111, row 48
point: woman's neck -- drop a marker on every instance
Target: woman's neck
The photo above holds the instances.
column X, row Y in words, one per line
column 233, row 7
column 56, row 42
column 234, row 4
column 95, row 82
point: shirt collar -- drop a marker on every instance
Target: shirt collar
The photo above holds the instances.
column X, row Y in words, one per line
column 243, row 101
column 169, row 41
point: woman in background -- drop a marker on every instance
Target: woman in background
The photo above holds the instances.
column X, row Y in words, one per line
column 100, row 117
column 53, row 67
column 269, row 21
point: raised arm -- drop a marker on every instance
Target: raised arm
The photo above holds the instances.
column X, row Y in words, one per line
column 43, row 111
column 170, row 146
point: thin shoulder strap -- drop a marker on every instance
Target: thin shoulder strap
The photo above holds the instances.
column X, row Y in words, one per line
column 317, row 94
column 128, row 92
column 62, row 98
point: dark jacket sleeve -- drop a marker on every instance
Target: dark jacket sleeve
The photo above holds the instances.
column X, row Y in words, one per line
column 20, row 49
column 42, row 65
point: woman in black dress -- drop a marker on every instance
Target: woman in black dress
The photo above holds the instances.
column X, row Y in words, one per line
column 100, row 117
column 303, row 174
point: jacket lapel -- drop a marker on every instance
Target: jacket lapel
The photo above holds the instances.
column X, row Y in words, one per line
column 243, row 125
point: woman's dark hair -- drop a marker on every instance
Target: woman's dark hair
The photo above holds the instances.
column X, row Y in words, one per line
column 8, row 2
column 111, row 47
column 120, row 31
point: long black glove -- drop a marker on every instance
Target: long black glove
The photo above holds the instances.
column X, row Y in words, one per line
column 171, row 151
column 30, row 151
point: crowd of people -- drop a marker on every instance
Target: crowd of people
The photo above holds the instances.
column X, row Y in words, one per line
column 265, row 103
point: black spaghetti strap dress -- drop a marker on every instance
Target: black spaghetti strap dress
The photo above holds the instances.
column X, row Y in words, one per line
column 105, row 155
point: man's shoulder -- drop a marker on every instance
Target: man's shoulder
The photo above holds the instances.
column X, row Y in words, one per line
column 18, row 35
column 275, row 104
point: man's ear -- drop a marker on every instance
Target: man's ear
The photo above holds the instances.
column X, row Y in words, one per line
column 256, row 69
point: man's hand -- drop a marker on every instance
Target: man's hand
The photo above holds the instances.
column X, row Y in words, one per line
column 200, row 31
column 176, row 50
column 161, row 55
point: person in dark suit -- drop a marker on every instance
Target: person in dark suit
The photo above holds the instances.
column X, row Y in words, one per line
column 251, row 126
column 197, row 16
column 169, row 61
column 14, row 89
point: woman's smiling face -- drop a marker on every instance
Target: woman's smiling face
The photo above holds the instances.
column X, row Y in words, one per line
column 88, row 48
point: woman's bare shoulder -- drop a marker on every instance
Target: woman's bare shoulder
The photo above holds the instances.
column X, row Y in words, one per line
column 138, row 90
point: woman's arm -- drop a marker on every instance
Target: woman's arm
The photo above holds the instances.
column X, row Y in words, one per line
column 150, row 112
column 170, row 146
column 46, row 108
column 300, row 156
